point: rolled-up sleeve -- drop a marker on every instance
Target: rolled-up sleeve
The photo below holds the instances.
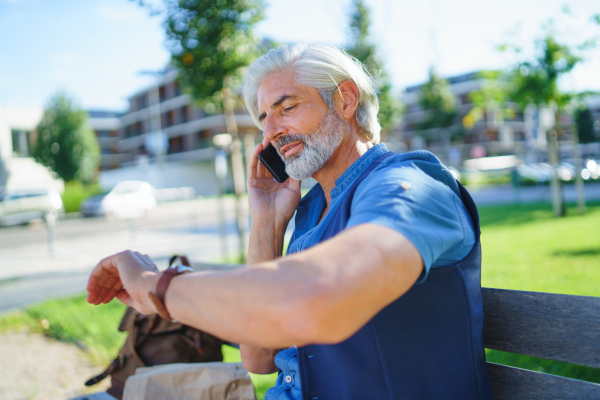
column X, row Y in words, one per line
column 421, row 208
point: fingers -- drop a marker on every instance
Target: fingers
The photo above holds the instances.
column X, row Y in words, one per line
column 103, row 277
column 105, row 281
column 254, row 163
column 97, row 273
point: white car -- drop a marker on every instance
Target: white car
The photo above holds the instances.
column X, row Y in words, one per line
column 129, row 199
column 23, row 205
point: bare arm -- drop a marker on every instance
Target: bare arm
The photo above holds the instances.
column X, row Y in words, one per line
column 322, row 295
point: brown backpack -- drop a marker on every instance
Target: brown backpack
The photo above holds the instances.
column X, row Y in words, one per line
column 153, row 340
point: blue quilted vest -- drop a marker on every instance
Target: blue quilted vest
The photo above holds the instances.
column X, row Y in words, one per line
column 426, row 345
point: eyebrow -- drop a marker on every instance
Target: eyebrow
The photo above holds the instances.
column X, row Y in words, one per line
column 277, row 103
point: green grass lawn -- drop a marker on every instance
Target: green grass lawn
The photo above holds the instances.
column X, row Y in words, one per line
column 524, row 248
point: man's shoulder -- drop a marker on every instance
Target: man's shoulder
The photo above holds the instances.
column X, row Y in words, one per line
column 415, row 167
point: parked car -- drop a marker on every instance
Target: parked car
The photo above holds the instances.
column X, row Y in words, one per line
column 129, row 199
column 21, row 206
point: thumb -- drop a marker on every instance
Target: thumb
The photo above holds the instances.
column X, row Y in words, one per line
column 125, row 298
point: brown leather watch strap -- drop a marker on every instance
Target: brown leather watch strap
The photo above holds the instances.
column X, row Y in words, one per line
column 158, row 298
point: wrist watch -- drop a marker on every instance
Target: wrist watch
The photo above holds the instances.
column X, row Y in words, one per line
column 158, row 298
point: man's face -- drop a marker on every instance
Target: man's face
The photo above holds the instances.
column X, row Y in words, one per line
column 298, row 124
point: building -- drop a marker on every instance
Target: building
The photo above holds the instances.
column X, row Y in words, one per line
column 454, row 144
column 524, row 135
column 163, row 112
column 106, row 125
column 17, row 136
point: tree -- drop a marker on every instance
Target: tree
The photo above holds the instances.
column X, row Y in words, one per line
column 65, row 142
column 536, row 81
column 361, row 48
column 212, row 43
column 437, row 98
column 585, row 125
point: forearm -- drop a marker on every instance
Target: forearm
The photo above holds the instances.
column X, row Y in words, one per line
column 265, row 241
column 322, row 295
column 244, row 306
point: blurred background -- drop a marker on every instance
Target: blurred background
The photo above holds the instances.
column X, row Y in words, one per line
column 122, row 126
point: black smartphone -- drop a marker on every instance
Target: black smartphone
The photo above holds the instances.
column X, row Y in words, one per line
column 273, row 162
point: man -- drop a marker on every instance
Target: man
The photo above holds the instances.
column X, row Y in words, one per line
column 379, row 296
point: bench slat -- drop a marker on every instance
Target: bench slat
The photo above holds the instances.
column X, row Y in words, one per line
column 510, row 383
column 553, row 326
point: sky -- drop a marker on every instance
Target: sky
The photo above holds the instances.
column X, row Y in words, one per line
column 96, row 50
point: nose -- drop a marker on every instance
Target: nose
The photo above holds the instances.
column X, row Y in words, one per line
column 273, row 128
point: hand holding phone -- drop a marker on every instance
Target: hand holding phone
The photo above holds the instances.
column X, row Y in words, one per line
column 273, row 162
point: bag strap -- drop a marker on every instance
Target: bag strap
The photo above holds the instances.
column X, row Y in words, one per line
column 183, row 259
column 117, row 363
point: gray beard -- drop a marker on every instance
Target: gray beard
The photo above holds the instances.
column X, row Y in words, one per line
column 319, row 146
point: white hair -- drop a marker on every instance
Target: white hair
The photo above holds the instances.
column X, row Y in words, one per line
column 322, row 67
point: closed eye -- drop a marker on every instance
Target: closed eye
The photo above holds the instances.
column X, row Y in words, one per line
column 290, row 108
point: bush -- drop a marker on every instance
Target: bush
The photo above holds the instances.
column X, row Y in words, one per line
column 75, row 192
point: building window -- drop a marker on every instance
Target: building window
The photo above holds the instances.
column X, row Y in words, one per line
column 183, row 114
column 175, row 145
column 142, row 101
column 162, row 93
column 133, row 130
column 177, row 88
column 21, row 142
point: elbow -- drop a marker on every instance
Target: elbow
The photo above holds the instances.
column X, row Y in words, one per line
column 258, row 360
column 313, row 320
column 257, row 367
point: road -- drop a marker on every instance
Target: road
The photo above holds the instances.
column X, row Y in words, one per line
column 30, row 273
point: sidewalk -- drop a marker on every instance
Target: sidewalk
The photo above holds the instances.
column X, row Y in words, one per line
column 507, row 194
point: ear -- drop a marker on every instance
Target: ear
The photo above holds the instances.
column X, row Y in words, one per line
column 346, row 99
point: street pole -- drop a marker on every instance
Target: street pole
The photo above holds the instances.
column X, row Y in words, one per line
column 155, row 129
column 221, row 174
column 237, row 165
column 50, row 223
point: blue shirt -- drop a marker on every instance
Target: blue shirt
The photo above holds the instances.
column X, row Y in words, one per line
column 412, row 193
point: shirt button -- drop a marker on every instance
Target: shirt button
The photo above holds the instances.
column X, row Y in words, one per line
column 405, row 185
column 288, row 379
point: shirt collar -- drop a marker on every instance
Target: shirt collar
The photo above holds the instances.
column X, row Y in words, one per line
column 348, row 176
column 357, row 168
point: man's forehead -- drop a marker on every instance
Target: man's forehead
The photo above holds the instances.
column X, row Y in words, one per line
column 277, row 85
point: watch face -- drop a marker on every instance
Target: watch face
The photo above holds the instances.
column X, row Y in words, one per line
column 182, row 268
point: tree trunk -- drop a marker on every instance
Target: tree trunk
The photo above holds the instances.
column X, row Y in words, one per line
column 578, row 177
column 237, row 164
column 558, row 205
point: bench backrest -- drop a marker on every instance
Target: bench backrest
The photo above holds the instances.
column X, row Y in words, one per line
column 552, row 326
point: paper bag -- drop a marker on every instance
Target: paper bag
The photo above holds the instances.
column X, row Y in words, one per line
column 199, row 381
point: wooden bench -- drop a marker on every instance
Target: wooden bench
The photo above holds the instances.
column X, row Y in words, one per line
column 553, row 326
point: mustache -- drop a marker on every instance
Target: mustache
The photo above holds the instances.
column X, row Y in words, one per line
column 290, row 138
